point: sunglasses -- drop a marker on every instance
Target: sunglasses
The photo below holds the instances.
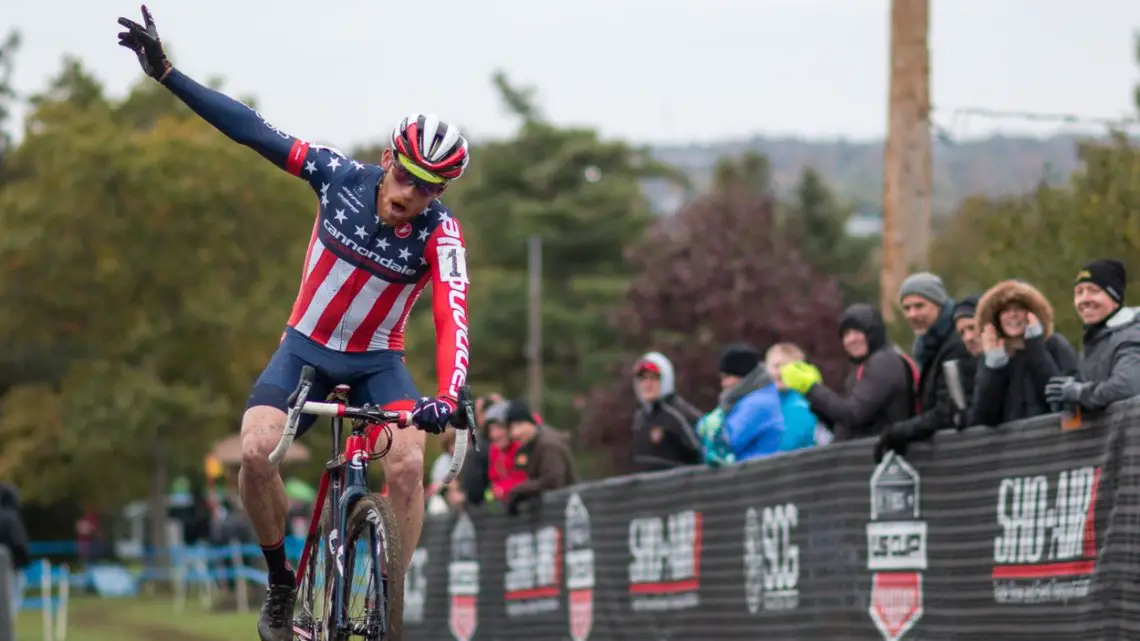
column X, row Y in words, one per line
column 423, row 187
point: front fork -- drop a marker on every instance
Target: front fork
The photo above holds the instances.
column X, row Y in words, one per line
column 354, row 467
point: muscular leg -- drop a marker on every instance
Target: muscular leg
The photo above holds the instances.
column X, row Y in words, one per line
column 404, row 472
column 262, row 491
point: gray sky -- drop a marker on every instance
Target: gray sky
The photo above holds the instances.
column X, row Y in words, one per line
column 344, row 71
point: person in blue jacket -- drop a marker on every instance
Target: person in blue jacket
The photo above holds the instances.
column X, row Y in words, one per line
column 801, row 426
column 753, row 423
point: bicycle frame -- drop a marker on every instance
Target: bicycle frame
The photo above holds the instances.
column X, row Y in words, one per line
column 344, row 482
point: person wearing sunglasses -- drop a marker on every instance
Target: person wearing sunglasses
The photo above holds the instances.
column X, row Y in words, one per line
column 380, row 237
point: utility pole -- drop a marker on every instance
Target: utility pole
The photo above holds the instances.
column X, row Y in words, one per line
column 907, row 171
column 534, row 324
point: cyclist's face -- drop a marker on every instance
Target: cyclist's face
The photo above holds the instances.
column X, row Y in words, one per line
column 403, row 196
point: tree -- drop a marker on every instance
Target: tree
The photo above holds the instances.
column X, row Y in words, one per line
column 1046, row 235
column 720, row 271
column 8, row 48
column 147, row 269
column 818, row 223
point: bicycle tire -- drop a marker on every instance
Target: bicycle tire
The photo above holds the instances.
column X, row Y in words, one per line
column 304, row 614
column 368, row 513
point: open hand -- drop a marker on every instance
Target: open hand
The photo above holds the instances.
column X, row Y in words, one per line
column 144, row 41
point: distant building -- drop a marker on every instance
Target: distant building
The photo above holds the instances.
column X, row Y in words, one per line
column 865, row 223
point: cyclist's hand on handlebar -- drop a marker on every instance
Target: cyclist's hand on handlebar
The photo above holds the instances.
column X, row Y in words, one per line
column 433, row 414
column 144, row 41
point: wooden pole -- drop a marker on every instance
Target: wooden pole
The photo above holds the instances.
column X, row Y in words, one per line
column 534, row 331
column 907, row 171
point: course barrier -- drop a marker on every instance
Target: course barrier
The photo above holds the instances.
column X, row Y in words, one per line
column 47, row 588
column 1023, row 532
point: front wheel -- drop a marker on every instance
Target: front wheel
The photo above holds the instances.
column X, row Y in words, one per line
column 373, row 576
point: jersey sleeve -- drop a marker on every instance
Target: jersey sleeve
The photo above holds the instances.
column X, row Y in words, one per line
column 317, row 164
column 447, row 257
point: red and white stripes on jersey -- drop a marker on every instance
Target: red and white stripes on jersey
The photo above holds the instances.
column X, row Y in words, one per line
column 347, row 309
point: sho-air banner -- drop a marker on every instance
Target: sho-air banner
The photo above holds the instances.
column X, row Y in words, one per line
column 1021, row 532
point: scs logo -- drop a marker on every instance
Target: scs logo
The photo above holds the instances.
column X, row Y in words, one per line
column 771, row 559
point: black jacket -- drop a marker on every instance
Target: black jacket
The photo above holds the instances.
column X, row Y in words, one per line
column 664, row 435
column 12, row 532
column 1010, row 385
column 941, row 345
column 880, row 390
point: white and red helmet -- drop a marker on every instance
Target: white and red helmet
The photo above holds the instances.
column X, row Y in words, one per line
column 432, row 145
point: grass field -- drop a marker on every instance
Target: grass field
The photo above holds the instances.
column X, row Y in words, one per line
column 93, row 619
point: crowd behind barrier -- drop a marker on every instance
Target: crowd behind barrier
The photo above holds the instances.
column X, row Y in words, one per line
column 1023, row 531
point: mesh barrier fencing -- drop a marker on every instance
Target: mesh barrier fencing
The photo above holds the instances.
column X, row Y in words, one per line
column 1026, row 531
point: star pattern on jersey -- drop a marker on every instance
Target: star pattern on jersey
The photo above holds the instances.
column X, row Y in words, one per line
column 340, row 217
column 310, row 167
column 360, row 232
column 334, row 162
column 357, row 165
column 405, row 254
column 424, row 234
column 382, row 244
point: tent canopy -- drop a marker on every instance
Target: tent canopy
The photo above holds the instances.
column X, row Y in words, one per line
column 228, row 451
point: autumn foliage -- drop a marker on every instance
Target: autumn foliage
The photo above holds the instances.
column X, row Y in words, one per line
column 719, row 271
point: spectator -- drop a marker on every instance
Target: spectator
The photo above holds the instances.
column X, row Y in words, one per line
column 663, row 434
column 799, row 422
column 929, row 312
column 747, row 422
column 504, row 475
column 880, row 391
column 543, row 454
column 1021, row 354
column 14, row 537
column 436, row 491
column 1110, row 354
column 966, row 327
column 473, row 485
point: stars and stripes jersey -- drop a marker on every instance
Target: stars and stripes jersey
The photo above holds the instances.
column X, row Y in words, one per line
column 361, row 278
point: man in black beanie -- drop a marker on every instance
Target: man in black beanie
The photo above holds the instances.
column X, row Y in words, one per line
column 965, row 325
column 544, row 455
column 753, row 421
column 1110, row 355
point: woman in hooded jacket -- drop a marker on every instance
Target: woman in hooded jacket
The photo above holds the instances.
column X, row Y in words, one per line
column 1021, row 353
column 880, row 391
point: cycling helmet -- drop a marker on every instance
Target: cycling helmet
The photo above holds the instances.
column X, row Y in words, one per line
column 430, row 145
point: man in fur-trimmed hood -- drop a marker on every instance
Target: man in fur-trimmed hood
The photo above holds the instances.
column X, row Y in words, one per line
column 1020, row 354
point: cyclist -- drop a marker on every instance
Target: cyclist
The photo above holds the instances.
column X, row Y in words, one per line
column 380, row 236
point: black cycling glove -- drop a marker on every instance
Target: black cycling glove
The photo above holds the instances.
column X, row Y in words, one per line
column 144, row 41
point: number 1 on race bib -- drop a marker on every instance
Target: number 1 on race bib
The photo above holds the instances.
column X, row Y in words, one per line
column 453, row 263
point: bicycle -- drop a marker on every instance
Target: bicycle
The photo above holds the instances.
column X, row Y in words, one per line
column 350, row 523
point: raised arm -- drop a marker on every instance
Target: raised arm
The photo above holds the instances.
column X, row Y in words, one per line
column 447, row 256
column 244, row 125
column 315, row 163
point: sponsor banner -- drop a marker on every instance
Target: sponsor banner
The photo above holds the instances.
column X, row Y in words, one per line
column 1022, row 532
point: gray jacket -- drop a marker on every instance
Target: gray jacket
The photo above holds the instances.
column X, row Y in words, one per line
column 1110, row 360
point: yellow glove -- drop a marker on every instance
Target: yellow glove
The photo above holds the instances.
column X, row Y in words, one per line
column 800, row 376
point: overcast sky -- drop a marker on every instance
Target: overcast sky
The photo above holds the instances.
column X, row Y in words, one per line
column 344, row 71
